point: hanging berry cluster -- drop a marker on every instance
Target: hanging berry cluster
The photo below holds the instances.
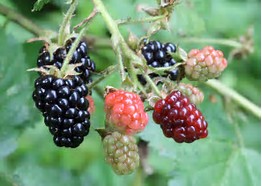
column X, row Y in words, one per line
column 151, row 73
column 62, row 100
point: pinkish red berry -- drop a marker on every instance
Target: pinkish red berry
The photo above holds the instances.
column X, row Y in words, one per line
column 125, row 112
column 179, row 119
column 205, row 64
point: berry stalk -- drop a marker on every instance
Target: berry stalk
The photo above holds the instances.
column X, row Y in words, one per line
column 72, row 50
column 65, row 26
column 141, row 20
column 104, row 74
column 239, row 99
column 226, row 42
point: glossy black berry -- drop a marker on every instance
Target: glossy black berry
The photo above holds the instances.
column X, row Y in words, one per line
column 64, row 108
column 156, row 55
column 80, row 55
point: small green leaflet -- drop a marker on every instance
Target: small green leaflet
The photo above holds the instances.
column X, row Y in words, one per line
column 39, row 5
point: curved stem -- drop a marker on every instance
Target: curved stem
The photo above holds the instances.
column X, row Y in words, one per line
column 21, row 20
column 65, row 26
column 239, row 99
column 226, row 42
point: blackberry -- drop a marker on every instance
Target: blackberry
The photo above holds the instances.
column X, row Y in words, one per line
column 79, row 56
column 179, row 119
column 157, row 55
column 64, row 107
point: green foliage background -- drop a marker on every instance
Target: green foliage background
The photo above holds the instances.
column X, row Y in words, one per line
column 229, row 156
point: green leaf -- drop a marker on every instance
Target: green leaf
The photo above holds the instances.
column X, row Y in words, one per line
column 15, row 87
column 39, row 4
column 8, row 142
column 6, row 181
column 17, row 109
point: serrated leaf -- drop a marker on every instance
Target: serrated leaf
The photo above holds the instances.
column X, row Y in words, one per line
column 39, row 4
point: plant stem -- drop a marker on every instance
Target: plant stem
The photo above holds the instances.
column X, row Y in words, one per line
column 72, row 50
column 140, row 20
column 117, row 38
column 226, row 42
column 121, row 64
column 86, row 20
column 104, row 74
column 153, row 85
column 21, row 20
column 239, row 99
column 65, row 26
column 121, row 48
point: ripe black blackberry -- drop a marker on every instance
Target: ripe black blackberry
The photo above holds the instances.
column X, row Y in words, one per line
column 79, row 56
column 157, row 55
column 64, row 107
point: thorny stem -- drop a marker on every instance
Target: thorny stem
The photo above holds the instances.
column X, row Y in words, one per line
column 120, row 64
column 22, row 21
column 141, row 20
column 65, row 26
column 235, row 96
column 117, row 38
column 121, row 48
column 226, row 42
column 104, row 74
column 153, row 85
column 85, row 21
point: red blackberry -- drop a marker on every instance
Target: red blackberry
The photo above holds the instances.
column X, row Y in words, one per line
column 79, row 56
column 157, row 55
column 125, row 112
column 64, row 107
column 180, row 119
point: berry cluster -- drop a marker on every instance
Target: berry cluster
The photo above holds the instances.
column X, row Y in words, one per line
column 64, row 107
column 121, row 152
column 125, row 112
column 79, row 56
column 180, row 119
column 205, row 64
column 158, row 55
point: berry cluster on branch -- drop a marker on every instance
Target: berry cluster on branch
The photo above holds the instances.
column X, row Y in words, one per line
column 151, row 70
